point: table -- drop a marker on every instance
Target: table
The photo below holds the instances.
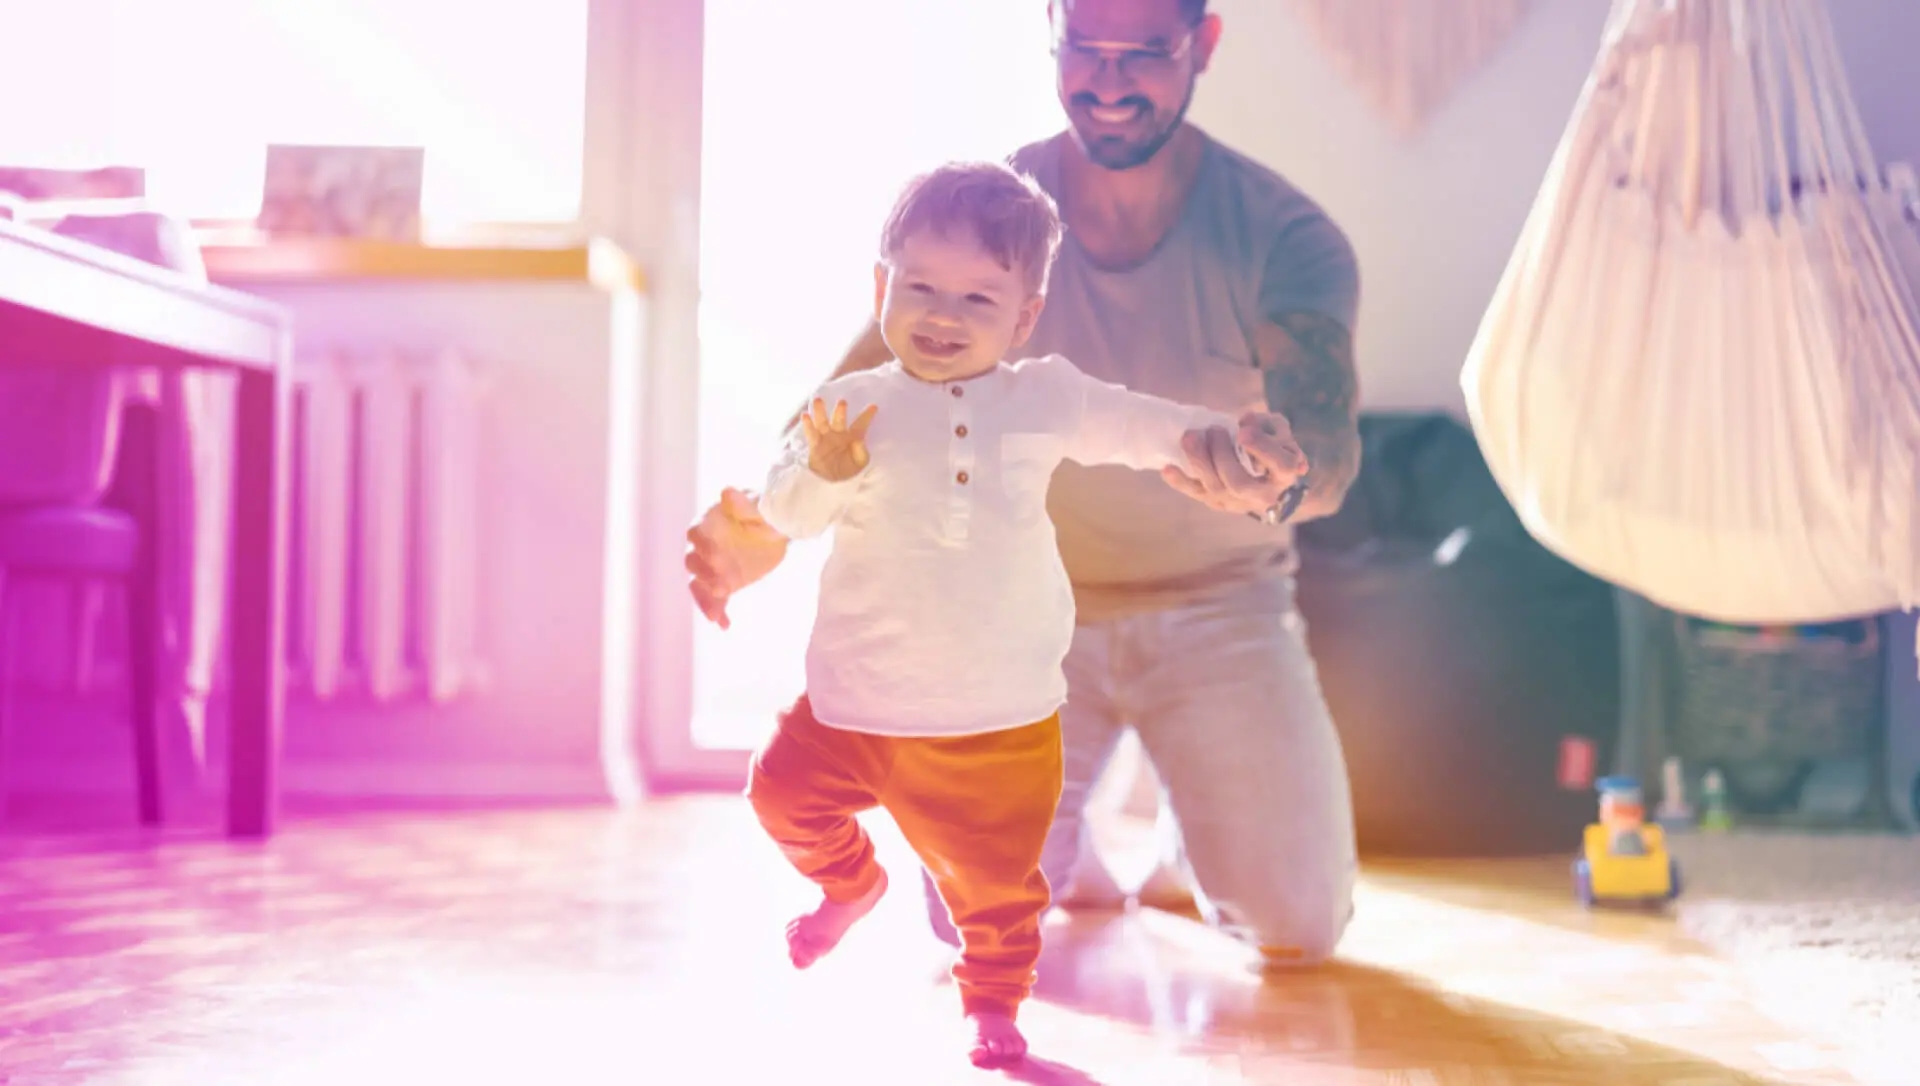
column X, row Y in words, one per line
column 67, row 302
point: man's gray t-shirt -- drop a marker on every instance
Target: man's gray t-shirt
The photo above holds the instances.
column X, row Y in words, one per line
column 1248, row 247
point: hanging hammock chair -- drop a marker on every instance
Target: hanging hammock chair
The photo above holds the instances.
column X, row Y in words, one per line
column 1407, row 56
column 1699, row 377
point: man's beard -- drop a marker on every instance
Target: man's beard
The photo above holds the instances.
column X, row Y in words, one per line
column 1121, row 154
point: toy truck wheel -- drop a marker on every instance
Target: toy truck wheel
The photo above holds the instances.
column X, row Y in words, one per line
column 1673, row 880
column 1583, row 883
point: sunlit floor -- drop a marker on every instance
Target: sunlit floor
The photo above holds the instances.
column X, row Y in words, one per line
column 591, row 947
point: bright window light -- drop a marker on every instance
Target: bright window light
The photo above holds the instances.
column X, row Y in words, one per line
column 194, row 90
column 814, row 116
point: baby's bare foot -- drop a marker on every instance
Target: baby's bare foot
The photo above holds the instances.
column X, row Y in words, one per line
column 997, row 1042
column 809, row 937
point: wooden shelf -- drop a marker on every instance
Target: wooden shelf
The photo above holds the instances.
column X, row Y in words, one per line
column 260, row 260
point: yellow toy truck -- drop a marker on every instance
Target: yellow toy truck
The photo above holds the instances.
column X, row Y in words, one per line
column 1623, row 858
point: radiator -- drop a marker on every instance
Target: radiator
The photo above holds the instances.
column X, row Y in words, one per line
column 383, row 567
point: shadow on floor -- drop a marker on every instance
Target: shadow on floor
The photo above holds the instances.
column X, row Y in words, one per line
column 1375, row 1020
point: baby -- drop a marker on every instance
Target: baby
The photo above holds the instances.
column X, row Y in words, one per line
column 934, row 674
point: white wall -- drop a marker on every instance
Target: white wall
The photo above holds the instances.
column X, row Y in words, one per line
column 1435, row 217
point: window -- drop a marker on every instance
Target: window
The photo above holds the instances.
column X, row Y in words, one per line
column 194, row 90
column 814, row 115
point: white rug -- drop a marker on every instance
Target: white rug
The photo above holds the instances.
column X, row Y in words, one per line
column 1829, row 924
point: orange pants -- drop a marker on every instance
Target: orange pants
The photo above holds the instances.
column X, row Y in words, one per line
column 976, row 808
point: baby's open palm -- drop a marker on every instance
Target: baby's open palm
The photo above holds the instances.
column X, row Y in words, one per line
column 836, row 450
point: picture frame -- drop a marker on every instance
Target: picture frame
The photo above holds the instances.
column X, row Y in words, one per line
column 342, row 192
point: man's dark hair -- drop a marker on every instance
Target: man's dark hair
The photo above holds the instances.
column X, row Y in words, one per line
column 1190, row 10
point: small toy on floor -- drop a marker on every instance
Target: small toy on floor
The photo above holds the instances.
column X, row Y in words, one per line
column 1624, row 859
column 1674, row 812
column 1715, row 817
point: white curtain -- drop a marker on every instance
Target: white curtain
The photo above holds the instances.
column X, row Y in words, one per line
column 1699, row 376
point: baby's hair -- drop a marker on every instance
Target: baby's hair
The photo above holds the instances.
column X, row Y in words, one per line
column 1010, row 215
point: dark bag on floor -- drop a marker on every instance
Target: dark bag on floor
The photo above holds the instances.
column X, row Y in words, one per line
column 1457, row 654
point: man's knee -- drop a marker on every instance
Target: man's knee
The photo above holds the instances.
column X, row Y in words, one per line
column 1291, row 931
column 1301, row 948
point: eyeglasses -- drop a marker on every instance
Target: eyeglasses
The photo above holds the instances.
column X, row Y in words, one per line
column 1129, row 58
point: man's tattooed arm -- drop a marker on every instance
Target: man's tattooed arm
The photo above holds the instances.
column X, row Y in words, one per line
column 1311, row 380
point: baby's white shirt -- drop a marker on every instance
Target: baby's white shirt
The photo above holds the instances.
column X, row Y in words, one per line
column 944, row 607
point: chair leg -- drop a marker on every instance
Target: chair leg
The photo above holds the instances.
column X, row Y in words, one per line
column 6, row 696
column 138, row 479
column 85, row 600
column 143, row 652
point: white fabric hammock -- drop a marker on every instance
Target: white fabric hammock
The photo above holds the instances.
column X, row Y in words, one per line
column 1407, row 56
column 1699, row 377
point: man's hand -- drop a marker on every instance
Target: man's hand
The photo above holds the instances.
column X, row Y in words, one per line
column 731, row 547
column 1216, row 477
column 836, row 450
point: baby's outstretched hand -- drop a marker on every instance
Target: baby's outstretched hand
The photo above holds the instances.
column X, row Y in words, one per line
column 1238, row 473
column 836, row 450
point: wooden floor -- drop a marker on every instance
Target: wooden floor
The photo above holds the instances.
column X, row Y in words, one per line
column 643, row 948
